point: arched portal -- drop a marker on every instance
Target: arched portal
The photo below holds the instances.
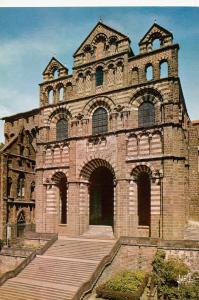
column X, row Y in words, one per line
column 101, row 197
column 144, row 199
column 60, row 181
column 21, row 224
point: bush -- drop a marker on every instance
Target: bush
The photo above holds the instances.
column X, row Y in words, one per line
column 166, row 274
column 127, row 285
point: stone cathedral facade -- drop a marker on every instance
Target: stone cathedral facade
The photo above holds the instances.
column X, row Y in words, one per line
column 110, row 145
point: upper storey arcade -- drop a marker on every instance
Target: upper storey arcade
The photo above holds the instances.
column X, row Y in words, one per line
column 105, row 62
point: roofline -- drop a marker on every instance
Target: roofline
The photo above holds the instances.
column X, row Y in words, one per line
column 195, row 122
column 160, row 27
column 108, row 27
column 22, row 114
column 50, row 62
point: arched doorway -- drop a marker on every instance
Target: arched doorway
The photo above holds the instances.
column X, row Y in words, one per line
column 63, row 200
column 101, row 197
column 144, row 199
column 21, row 224
column 60, row 181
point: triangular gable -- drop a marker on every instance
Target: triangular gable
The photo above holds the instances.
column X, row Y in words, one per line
column 14, row 140
column 100, row 27
column 54, row 63
column 5, row 147
column 155, row 28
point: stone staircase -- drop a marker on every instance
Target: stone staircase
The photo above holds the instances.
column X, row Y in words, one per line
column 60, row 272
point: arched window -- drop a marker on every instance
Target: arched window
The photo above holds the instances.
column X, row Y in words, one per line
column 146, row 114
column 9, row 186
column 149, row 72
column 61, row 94
column 100, row 121
column 144, row 199
column 20, row 185
column 99, row 76
column 55, row 74
column 164, row 69
column 50, row 97
column 156, row 44
column 62, row 129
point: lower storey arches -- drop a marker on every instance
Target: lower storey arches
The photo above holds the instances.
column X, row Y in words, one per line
column 131, row 205
column 144, row 201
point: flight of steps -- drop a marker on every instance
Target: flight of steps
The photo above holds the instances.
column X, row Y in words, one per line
column 58, row 274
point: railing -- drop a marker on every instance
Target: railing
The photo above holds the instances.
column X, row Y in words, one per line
column 88, row 286
column 26, row 261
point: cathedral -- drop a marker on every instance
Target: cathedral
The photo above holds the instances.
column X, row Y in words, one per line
column 110, row 145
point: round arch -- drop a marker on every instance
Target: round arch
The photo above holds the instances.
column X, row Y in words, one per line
column 141, row 169
column 105, row 102
column 90, row 166
column 145, row 95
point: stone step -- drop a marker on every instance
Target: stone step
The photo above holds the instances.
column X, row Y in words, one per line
column 100, row 231
column 14, row 290
column 60, row 272
column 88, row 250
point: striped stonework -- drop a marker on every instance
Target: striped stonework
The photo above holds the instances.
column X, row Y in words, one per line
column 144, row 145
column 132, row 147
column 155, row 199
column 156, row 144
column 132, row 198
column 51, row 200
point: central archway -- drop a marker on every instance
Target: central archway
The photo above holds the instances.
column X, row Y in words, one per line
column 101, row 197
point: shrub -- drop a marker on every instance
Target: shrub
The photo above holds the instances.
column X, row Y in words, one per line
column 166, row 274
column 127, row 285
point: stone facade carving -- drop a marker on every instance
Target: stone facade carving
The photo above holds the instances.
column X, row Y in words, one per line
column 147, row 148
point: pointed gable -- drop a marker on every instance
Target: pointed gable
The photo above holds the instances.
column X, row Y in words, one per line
column 102, row 41
column 54, row 65
column 155, row 32
column 100, row 28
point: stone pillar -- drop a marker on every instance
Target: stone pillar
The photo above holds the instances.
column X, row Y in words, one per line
column 133, row 209
column 40, row 202
column 84, row 206
column 73, row 208
column 121, row 208
column 155, row 209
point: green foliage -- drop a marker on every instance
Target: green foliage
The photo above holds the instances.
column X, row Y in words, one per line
column 166, row 275
column 124, row 285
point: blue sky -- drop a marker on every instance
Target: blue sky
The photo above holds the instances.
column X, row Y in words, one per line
column 29, row 37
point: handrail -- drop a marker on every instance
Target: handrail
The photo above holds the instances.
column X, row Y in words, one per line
column 88, row 286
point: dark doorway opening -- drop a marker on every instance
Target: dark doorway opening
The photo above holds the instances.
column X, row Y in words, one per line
column 63, row 200
column 21, row 224
column 101, row 197
column 144, row 199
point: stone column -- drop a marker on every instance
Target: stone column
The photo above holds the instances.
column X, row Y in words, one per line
column 155, row 230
